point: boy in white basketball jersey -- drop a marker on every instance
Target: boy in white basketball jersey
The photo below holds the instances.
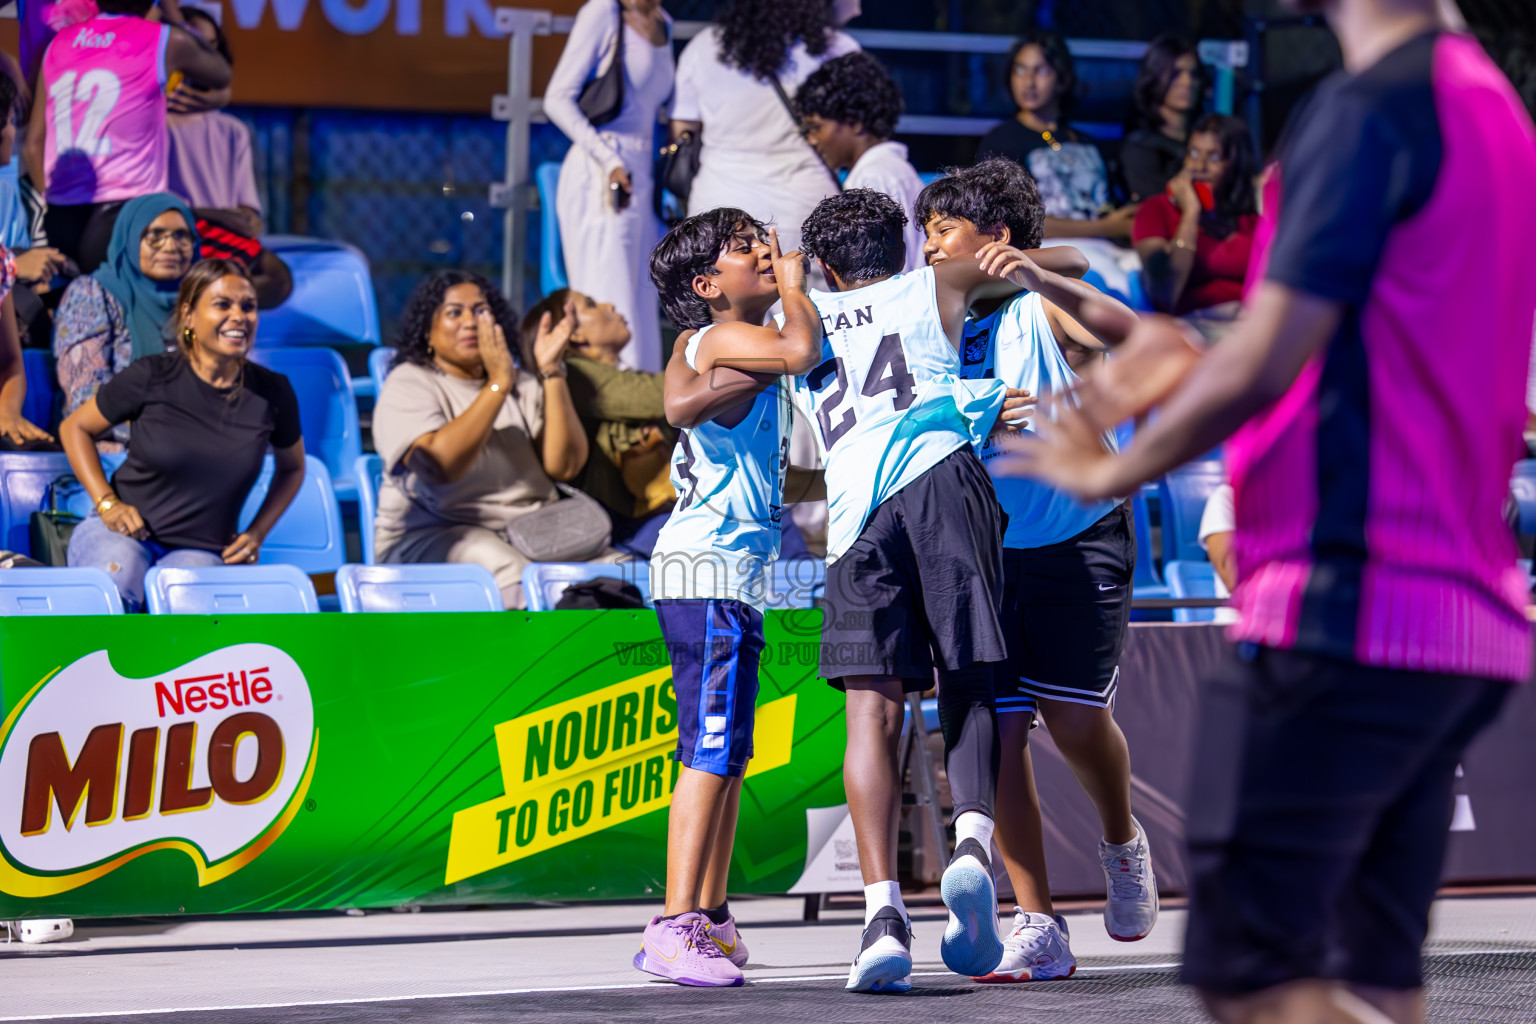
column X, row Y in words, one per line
column 1067, row 574
column 914, row 577
column 718, row 279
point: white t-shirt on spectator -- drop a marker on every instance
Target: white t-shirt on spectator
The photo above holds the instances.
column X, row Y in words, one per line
column 884, row 167
column 1220, row 517
column 753, row 157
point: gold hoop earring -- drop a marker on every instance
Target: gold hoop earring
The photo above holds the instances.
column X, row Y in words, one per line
column 187, row 337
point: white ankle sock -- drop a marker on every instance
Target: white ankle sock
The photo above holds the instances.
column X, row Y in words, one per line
column 977, row 826
column 882, row 894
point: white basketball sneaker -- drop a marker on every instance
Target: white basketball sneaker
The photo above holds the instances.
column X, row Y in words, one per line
column 1130, row 909
column 41, row 929
column 1036, row 950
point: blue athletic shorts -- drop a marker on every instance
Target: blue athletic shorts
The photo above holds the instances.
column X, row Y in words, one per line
column 714, row 646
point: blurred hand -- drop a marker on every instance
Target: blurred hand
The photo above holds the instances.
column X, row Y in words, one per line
column 620, row 177
column 500, row 369
column 552, row 340
column 243, row 550
column 189, row 99
column 1146, row 369
column 789, row 269
column 42, row 265
column 1118, row 223
column 18, row 430
column 124, row 519
column 1067, row 452
column 1184, row 195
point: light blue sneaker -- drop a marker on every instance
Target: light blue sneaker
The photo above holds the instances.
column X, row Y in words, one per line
column 884, row 963
column 971, row 944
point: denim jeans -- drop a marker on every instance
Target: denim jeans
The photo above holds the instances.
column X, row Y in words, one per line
column 127, row 560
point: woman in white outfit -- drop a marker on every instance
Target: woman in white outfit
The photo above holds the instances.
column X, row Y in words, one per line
column 608, row 232
column 753, row 157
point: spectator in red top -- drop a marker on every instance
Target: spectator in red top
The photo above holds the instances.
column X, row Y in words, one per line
column 1194, row 239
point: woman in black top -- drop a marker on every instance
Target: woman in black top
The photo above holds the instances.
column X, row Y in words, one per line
column 1169, row 94
column 203, row 418
column 1067, row 167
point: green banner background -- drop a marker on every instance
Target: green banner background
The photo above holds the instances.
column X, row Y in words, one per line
column 405, row 708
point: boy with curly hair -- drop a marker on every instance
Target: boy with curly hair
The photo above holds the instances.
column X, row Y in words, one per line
column 849, row 108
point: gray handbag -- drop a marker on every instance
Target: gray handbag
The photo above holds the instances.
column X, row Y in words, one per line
column 573, row 529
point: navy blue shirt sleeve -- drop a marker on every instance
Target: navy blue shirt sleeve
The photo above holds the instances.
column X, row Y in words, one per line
column 1364, row 158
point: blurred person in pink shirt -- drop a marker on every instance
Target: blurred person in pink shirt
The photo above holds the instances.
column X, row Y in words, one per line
column 98, row 132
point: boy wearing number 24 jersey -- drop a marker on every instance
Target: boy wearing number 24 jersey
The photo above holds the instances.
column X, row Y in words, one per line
column 718, row 279
column 914, row 577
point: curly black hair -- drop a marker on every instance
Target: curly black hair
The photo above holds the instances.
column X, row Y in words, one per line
column 414, row 339
column 858, row 234
column 1159, row 67
column 1054, row 48
column 1235, row 196
column 994, row 194
column 690, row 250
column 853, row 89
column 757, row 35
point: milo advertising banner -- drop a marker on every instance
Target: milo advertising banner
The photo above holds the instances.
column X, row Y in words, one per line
column 157, row 765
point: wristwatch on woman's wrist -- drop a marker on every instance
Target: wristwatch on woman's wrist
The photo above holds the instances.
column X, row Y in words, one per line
column 557, row 374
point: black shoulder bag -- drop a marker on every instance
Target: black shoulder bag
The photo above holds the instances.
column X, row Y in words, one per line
column 602, row 98
column 794, row 115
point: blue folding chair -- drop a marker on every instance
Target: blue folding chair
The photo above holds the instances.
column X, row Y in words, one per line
column 1522, row 487
column 1145, row 580
column 55, row 590
column 327, row 408
column 229, row 590
column 378, row 367
column 42, row 392
column 309, row 534
column 796, row 583
column 1191, row 579
column 545, row 582
column 552, row 276
column 1182, row 495
column 332, row 302
column 456, row 587
column 369, row 471
column 24, row 480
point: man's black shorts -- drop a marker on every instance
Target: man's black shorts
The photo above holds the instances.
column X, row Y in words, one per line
column 1319, row 810
column 1066, row 607
column 922, row 586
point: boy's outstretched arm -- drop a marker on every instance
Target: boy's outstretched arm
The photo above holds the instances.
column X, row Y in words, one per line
column 963, row 280
column 1078, row 312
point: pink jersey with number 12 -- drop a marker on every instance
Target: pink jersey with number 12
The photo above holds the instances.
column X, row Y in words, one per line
column 104, row 81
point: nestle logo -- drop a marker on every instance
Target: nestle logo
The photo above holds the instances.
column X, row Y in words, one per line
column 91, row 40
column 214, row 693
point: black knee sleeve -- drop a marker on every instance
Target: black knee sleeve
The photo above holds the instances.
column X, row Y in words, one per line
column 968, row 719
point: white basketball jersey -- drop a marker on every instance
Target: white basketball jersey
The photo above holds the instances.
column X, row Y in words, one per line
column 1017, row 346
column 729, row 477
column 887, row 401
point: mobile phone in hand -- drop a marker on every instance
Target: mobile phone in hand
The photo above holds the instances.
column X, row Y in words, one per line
column 618, row 195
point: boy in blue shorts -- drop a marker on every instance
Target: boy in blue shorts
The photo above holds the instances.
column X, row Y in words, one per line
column 1067, row 570
column 718, row 279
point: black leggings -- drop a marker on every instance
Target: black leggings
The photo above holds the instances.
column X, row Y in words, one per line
column 968, row 719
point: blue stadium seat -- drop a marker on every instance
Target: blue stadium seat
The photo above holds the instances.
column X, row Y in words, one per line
column 1522, row 487
column 309, row 535
column 58, row 591
column 552, row 275
column 369, row 470
column 42, row 392
column 929, row 177
column 1183, row 494
column 456, row 587
column 796, row 583
column 378, row 367
column 327, row 408
column 24, row 480
column 332, row 301
column 1191, row 579
column 229, row 590
column 544, row 582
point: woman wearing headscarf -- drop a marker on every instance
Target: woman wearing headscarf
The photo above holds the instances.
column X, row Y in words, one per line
column 119, row 314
